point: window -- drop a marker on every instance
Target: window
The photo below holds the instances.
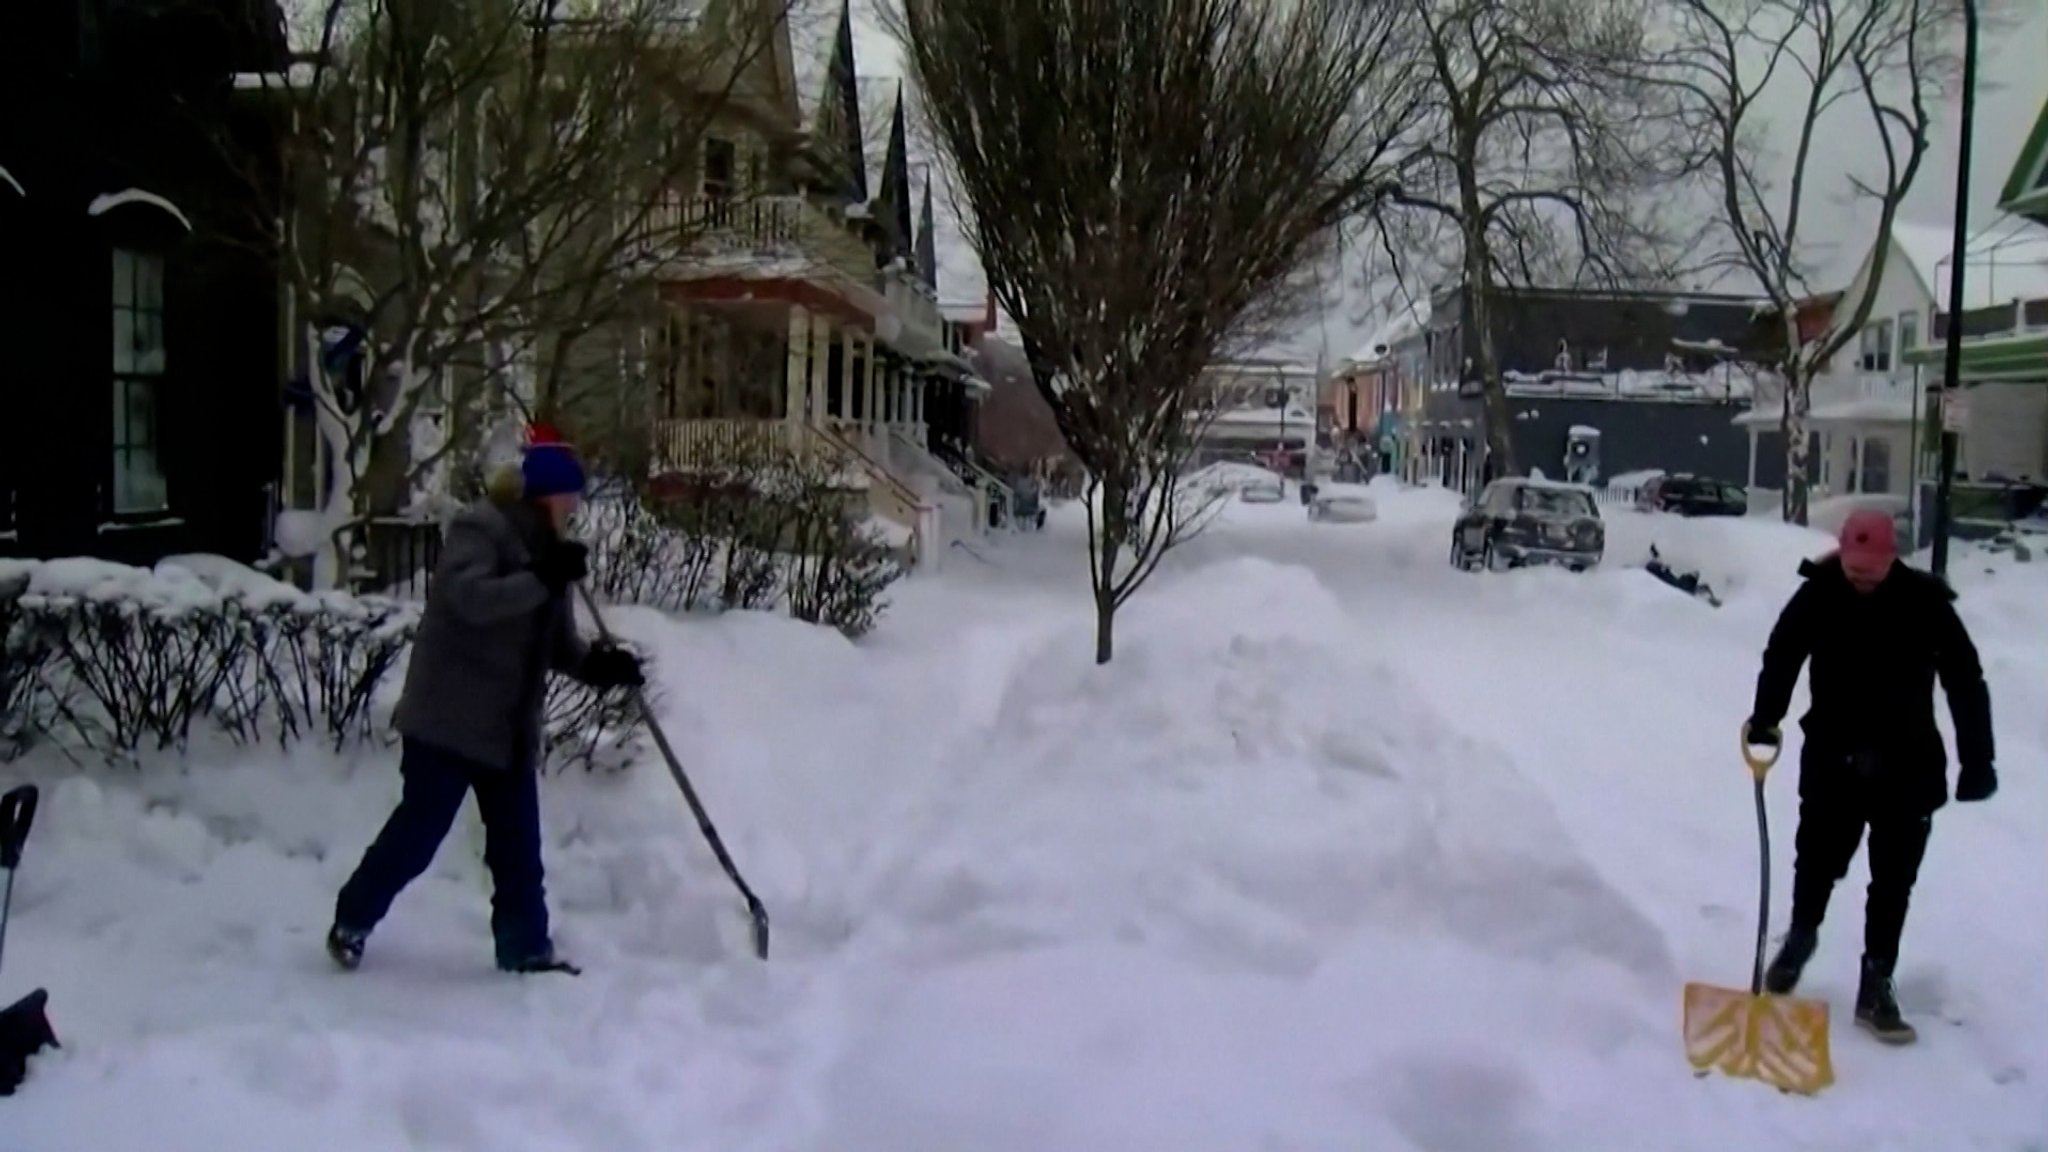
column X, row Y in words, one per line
column 1876, row 350
column 721, row 162
column 138, row 485
column 1876, row 466
column 1909, row 332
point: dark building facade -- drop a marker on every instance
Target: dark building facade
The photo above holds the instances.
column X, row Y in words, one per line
column 1651, row 378
column 139, row 342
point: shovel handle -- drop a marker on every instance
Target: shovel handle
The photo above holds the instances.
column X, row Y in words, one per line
column 1760, row 758
column 17, row 815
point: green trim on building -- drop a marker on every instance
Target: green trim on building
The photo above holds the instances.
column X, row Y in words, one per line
column 2017, row 197
column 2021, row 358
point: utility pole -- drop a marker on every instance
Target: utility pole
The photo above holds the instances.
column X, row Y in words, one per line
column 1952, row 361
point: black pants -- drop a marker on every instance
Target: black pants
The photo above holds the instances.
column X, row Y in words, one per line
column 435, row 784
column 1830, row 828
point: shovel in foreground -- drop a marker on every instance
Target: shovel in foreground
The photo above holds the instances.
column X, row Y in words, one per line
column 1753, row 1035
column 25, row 1024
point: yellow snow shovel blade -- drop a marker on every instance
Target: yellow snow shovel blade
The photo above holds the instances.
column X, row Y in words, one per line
column 1780, row 1040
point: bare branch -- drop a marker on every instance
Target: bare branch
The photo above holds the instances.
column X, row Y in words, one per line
column 1888, row 60
column 1145, row 185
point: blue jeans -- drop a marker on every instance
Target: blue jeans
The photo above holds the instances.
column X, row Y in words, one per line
column 435, row 784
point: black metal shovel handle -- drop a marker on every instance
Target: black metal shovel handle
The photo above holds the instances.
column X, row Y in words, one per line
column 757, row 912
column 17, row 815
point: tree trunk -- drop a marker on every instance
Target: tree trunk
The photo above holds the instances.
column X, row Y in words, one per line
column 1798, row 405
column 1500, row 445
column 1105, row 627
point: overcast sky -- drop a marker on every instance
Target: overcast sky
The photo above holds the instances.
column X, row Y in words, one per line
column 2012, row 88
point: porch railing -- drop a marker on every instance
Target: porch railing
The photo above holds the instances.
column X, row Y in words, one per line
column 701, row 233
column 694, row 445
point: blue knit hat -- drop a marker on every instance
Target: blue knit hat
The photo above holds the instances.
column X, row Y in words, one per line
column 549, row 467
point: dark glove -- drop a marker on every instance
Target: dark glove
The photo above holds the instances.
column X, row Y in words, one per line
column 1976, row 782
column 1760, row 734
column 609, row 666
column 562, row 563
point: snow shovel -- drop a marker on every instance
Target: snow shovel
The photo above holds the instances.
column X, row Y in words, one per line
column 756, row 911
column 1753, row 1035
column 25, row 1024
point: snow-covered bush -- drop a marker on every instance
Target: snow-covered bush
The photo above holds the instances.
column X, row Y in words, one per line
column 118, row 660
column 773, row 529
column 22, row 654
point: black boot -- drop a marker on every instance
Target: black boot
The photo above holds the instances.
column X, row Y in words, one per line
column 1877, row 1004
column 547, row 960
column 1790, row 962
column 345, row 947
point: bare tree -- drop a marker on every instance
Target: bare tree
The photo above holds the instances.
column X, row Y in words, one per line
column 1884, row 63
column 477, row 188
column 1535, row 162
column 1139, row 179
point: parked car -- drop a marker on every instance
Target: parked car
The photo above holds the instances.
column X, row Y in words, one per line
column 1519, row 520
column 1343, row 508
column 1271, row 491
column 1689, row 495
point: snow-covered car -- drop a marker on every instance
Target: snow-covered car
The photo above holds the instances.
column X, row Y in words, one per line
column 1522, row 520
column 1263, row 492
column 1343, row 508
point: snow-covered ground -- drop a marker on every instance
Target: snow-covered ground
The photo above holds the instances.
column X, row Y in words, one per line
column 1345, row 851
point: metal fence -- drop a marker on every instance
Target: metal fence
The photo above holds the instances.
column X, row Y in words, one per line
column 399, row 555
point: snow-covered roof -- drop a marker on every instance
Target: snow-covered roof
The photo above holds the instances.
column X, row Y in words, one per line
column 1722, row 382
column 2007, row 260
column 1860, row 410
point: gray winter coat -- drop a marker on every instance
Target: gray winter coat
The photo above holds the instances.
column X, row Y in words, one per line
column 491, row 632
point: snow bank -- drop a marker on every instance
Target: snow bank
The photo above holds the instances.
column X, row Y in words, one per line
column 1339, row 853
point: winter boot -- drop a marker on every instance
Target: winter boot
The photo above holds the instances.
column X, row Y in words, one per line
column 1790, row 962
column 345, row 947
column 546, row 961
column 1877, row 1004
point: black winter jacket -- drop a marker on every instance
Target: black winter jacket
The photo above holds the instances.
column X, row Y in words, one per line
column 1874, row 657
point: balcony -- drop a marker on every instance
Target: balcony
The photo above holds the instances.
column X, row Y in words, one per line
column 706, row 235
column 915, row 306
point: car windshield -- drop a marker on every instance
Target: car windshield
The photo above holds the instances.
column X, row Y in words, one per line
column 1553, row 502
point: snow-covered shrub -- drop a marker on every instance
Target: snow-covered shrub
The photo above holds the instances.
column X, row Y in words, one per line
column 315, row 667
column 22, row 653
column 594, row 731
column 135, row 659
column 639, row 557
column 778, row 528
column 120, row 660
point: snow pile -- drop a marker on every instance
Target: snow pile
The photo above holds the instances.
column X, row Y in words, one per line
column 1343, row 851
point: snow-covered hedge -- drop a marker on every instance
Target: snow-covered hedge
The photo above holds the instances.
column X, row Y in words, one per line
column 115, row 660
column 780, row 538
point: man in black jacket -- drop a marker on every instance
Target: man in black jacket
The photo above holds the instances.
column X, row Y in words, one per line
column 1876, row 634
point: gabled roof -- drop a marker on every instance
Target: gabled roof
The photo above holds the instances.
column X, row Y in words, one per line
column 2026, row 187
column 2006, row 260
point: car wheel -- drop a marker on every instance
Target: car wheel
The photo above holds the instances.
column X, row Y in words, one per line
column 1458, row 558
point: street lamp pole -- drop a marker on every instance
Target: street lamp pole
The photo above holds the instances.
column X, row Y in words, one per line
column 1952, row 360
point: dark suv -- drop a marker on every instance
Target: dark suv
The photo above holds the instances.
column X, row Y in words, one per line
column 1520, row 521
column 1689, row 495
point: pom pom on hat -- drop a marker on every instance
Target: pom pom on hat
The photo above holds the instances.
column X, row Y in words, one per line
column 547, row 467
column 1869, row 534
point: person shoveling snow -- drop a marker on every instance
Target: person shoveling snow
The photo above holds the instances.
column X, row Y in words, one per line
column 497, row 620
column 1875, row 634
